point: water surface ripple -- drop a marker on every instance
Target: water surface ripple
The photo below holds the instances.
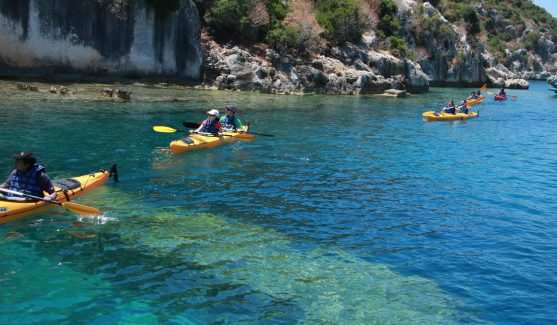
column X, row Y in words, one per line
column 356, row 211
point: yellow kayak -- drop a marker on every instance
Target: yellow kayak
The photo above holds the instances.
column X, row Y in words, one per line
column 200, row 140
column 67, row 188
column 475, row 101
column 433, row 116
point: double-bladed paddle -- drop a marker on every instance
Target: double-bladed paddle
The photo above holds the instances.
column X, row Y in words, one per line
column 196, row 125
column 167, row 129
column 77, row 208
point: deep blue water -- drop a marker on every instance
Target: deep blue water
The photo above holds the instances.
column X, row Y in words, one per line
column 356, row 211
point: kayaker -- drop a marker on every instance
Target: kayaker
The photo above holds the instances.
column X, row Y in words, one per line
column 464, row 108
column 28, row 177
column 502, row 92
column 211, row 124
column 230, row 122
column 478, row 93
column 451, row 108
column 472, row 96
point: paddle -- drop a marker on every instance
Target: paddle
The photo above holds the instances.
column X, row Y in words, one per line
column 484, row 87
column 77, row 208
column 196, row 125
column 165, row 129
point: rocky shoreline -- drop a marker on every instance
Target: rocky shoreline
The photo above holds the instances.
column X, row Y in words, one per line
column 435, row 52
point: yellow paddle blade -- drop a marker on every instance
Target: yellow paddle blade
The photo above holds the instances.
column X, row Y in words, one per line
column 490, row 93
column 163, row 129
column 81, row 209
column 484, row 88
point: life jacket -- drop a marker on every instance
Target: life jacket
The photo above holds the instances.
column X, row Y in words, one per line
column 449, row 110
column 229, row 123
column 26, row 182
column 210, row 127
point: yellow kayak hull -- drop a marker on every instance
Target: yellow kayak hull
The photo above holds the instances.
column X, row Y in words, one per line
column 198, row 141
column 73, row 187
column 475, row 101
column 431, row 116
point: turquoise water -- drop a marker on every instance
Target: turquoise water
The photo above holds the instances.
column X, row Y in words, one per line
column 357, row 211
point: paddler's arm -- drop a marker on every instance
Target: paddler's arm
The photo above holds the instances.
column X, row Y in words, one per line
column 45, row 182
column 5, row 184
column 199, row 128
column 239, row 126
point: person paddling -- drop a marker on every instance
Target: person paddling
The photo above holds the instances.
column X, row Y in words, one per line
column 211, row 124
column 451, row 108
column 472, row 96
column 29, row 178
column 464, row 108
column 502, row 92
column 230, row 122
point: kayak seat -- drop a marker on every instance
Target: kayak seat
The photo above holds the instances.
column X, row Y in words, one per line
column 187, row 140
column 66, row 183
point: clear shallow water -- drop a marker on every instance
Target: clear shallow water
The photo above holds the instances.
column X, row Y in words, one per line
column 357, row 211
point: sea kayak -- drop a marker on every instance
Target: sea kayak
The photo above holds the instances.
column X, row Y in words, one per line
column 434, row 116
column 201, row 140
column 67, row 188
column 500, row 97
column 475, row 101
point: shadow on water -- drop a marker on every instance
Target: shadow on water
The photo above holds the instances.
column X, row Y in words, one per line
column 162, row 265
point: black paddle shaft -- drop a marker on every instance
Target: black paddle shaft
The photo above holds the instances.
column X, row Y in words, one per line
column 196, row 125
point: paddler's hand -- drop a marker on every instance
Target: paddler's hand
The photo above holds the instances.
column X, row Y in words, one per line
column 48, row 198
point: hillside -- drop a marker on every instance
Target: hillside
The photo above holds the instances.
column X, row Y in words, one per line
column 279, row 46
column 454, row 42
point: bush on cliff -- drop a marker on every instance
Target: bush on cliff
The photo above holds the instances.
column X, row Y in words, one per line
column 285, row 39
column 340, row 19
column 247, row 20
column 397, row 46
column 388, row 23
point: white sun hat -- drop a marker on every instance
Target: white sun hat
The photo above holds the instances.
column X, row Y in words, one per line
column 213, row 112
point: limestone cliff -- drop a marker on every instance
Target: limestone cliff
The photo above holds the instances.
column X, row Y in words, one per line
column 278, row 46
column 99, row 36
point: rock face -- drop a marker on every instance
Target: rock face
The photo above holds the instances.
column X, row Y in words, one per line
column 552, row 81
column 128, row 38
column 99, row 36
column 350, row 70
column 445, row 56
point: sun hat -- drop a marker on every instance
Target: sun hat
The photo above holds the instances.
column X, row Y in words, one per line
column 213, row 112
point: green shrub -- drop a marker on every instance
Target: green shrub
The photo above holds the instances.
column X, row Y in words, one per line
column 505, row 36
column 460, row 57
column 530, row 40
column 388, row 23
column 469, row 14
column 446, row 31
column 495, row 44
column 340, row 19
column 285, row 38
column 397, row 45
column 229, row 18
